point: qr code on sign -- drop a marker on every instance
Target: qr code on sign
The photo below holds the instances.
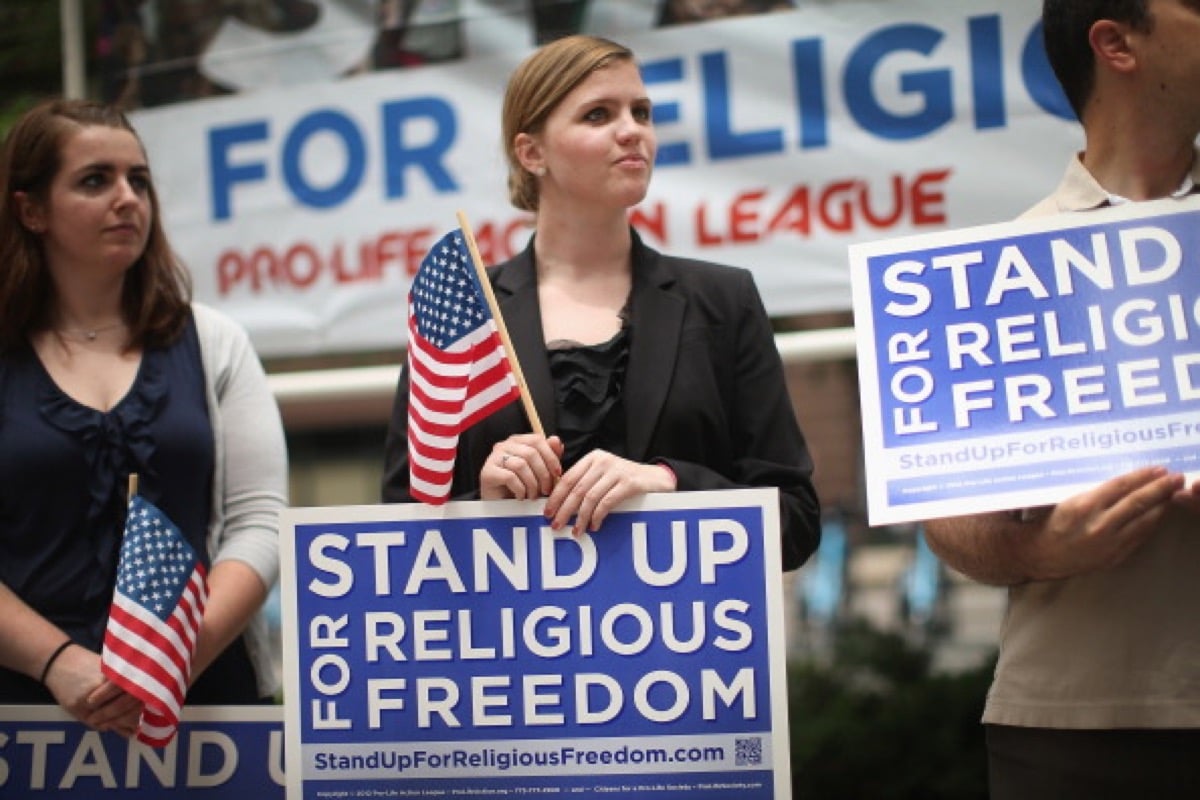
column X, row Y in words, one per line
column 748, row 752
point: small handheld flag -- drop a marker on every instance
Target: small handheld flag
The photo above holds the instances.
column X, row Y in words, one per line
column 458, row 369
column 155, row 619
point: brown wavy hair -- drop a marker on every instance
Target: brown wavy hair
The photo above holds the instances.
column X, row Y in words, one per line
column 157, row 290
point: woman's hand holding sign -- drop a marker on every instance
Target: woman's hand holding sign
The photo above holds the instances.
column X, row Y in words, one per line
column 526, row 466
column 597, row 484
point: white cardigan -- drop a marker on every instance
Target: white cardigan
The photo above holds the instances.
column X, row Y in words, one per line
column 250, row 472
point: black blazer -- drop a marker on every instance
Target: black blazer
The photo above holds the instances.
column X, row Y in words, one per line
column 704, row 389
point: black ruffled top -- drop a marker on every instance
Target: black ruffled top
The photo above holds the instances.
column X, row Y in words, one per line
column 587, row 383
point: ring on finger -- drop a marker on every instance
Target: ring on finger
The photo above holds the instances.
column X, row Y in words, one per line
column 504, row 460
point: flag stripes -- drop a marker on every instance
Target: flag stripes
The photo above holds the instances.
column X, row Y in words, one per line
column 154, row 621
column 458, row 370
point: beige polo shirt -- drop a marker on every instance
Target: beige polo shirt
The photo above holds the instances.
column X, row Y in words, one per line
column 1112, row 649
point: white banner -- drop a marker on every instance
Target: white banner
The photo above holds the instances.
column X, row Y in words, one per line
column 783, row 138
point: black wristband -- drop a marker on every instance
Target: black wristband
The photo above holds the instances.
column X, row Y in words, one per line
column 53, row 657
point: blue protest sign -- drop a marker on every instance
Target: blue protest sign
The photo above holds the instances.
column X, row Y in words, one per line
column 230, row 752
column 1013, row 365
column 467, row 649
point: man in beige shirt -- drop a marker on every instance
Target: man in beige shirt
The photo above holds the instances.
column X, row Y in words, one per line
column 1097, row 689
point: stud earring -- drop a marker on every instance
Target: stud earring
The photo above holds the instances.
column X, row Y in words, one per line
column 539, row 171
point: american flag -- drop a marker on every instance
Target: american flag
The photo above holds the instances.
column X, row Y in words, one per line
column 154, row 620
column 458, row 372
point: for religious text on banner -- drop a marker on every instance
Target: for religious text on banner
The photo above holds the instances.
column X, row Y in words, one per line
column 469, row 649
column 1014, row 365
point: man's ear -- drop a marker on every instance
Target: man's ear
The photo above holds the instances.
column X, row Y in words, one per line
column 1110, row 41
column 29, row 211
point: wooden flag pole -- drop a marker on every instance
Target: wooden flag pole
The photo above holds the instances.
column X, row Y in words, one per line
column 133, row 487
column 509, row 351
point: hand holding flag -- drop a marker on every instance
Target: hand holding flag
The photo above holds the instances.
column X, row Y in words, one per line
column 155, row 619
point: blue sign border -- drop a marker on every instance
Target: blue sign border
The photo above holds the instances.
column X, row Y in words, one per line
column 556, row 667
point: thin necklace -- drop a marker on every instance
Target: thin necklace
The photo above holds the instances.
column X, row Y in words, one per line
column 89, row 334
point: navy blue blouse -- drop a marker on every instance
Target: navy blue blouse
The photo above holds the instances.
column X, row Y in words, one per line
column 64, row 471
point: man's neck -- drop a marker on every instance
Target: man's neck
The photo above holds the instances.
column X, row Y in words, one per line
column 1137, row 161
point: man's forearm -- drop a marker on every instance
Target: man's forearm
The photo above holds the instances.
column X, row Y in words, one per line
column 989, row 548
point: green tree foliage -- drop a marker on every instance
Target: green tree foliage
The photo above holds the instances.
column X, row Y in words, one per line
column 30, row 54
column 874, row 722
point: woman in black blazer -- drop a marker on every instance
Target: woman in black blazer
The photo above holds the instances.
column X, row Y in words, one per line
column 651, row 373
